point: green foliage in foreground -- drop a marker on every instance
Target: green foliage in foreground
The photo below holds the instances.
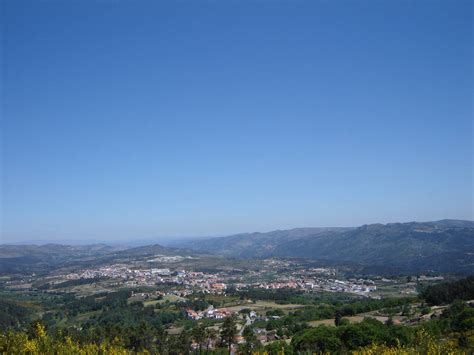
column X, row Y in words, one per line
column 452, row 333
column 42, row 343
column 109, row 324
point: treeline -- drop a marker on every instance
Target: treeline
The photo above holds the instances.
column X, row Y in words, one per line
column 448, row 292
column 281, row 296
column 367, row 337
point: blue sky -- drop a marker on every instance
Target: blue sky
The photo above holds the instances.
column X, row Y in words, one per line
column 149, row 119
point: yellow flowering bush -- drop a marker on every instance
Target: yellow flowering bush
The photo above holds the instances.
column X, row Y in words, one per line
column 42, row 344
column 426, row 345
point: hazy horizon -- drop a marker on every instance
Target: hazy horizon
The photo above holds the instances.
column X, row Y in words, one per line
column 126, row 121
column 170, row 240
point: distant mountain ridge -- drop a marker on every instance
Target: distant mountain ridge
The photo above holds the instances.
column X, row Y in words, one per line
column 257, row 244
column 442, row 246
column 415, row 247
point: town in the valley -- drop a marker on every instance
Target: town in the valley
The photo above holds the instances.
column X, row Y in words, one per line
column 268, row 300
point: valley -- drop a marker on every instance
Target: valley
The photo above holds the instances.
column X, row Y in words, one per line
column 161, row 298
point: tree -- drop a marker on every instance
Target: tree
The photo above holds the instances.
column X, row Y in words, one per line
column 279, row 348
column 181, row 344
column 198, row 334
column 337, row 318
column 211, row 335
column 251, row 341
column 321, row 339
column 463, row 341
column 228, row 332
column 142, row 338
column 161, row 338
column 406, row 310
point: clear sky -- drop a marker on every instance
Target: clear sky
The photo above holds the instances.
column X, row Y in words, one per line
column 135, row 119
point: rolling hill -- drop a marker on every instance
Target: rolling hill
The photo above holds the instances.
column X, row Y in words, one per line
column 42, row 258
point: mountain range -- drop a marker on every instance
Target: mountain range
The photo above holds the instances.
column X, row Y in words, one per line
column 415, row 247
column 441, row 246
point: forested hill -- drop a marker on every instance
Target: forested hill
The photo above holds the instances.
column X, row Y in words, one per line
column 442, row 246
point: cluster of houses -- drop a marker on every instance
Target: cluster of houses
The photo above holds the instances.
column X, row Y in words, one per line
column 129, row 277
column 330, row 285
column 277, row 285
column 286, row 274
column 211, row 312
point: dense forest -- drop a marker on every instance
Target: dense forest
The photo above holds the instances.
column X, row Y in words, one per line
column 449, row 291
